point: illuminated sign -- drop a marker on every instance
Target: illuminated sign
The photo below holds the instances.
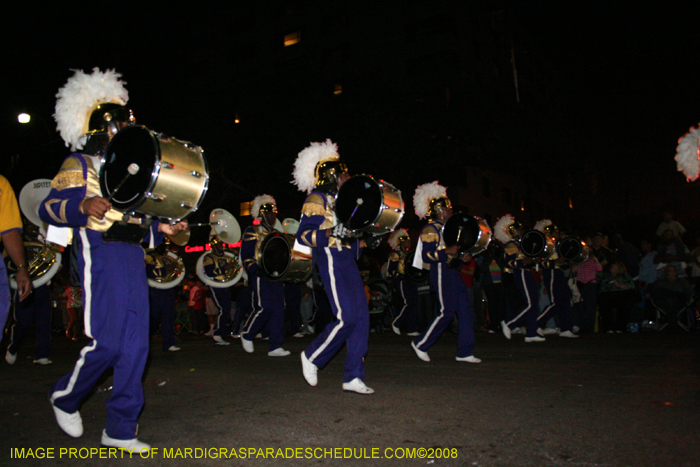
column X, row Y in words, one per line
column 207, row 247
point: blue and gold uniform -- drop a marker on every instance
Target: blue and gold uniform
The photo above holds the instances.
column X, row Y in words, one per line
column 559, row 294
column 517, row 262
column 162, row 301
column 451, row 291
column 407, row 292
column 267, row 296
column 215, row 264
column 115, row 298
column 343, row 284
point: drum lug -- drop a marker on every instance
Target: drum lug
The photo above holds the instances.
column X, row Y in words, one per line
column 194, row 173
column 155, row 197
column 166, row 165
column 185, row 205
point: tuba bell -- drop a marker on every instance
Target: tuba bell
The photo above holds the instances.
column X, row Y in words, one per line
column 168, row 266
column 225, row 229
column 43, row 258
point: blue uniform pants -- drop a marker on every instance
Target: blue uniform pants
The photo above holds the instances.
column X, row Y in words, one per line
column 559, row 300
column 408, row 303
column 222, row 298
column 346, row 293
column 453, row 297
column 528, row 314
column 162, row 306
column 268, row 309
column 34, row 309
column 115, row 300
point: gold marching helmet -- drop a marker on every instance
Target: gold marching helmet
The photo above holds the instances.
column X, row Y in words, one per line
column 43, row 258
column 318, row 167
column 225, row 229
column 429, row 199
column 506, row 229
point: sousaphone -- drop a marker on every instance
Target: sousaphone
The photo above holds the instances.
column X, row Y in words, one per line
column 226, row 228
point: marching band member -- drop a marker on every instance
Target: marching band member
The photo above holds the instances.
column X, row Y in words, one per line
column 507, row 231
column 557, row 286
column 319, row 172
column 400, row 242
column 268, row 296
column 162, row 301
column 11, row 235
column 215, row 265
column 90, row 109
column 430, row 200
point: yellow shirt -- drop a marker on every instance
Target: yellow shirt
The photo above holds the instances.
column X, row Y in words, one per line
column 9, row 210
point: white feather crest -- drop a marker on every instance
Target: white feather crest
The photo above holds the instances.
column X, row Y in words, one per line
column 305, row 165
column 394, row 238
column 500, row 230
column 258, row 202
column 688, row 154
column 541, row 224
column 426, row 193
column 77, row 98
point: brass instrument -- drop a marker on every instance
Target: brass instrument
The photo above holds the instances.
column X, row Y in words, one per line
column 174, row 270
column 225, row 228
column 43, row 258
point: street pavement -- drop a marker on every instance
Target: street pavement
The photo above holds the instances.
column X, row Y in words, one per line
column 600, row 400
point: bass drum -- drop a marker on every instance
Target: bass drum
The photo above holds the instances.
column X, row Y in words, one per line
column 279, row 261
column 472, row 234
column 363, row 204
column 419, row 276
column 535, row 244
column 572, row 249
column 171, row 181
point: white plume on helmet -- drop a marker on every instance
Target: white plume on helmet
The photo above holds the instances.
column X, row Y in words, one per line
column 425, row 194
column 688, row 154
column 77, row 99
column 541, row 224
column 258, row 203
column 394, row 238
column 500, row 230
column 305, row 165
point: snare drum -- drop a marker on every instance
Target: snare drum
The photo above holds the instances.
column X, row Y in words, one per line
column 364, row 204
column 572, row 249
column 172, row 178
column 278, row 261
column 535, row 244
column 472, row 234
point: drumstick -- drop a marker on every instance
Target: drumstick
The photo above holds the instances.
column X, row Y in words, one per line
column 201, row 224
column 133, row 169
column 358, row 204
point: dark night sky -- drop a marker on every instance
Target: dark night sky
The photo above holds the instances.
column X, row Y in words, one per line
column 625, row 79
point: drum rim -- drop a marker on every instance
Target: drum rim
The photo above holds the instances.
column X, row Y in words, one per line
column 264, row 243
column 477, row 224
column 544, row 245
column 581, row 248
column 155, row 171
column 355, row 177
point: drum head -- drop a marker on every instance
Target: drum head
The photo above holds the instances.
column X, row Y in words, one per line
column 412, row 273
column 132, row 145
column 569, row 248
column 359, row 202
column 533, row 243
column 275, row 255
column 461, row 229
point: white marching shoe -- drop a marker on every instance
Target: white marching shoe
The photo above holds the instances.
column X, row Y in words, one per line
column 218, row 340
column 505, row 329
column 247, row 345
column 134, row 446
column 568, row 334
column 469, row 359
column 422, row 355
column 10, row 358
column 358, row 386
column 278, row 352
column 309, row 370
column 535, row 339
column 71, row 423
column 396, row 330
